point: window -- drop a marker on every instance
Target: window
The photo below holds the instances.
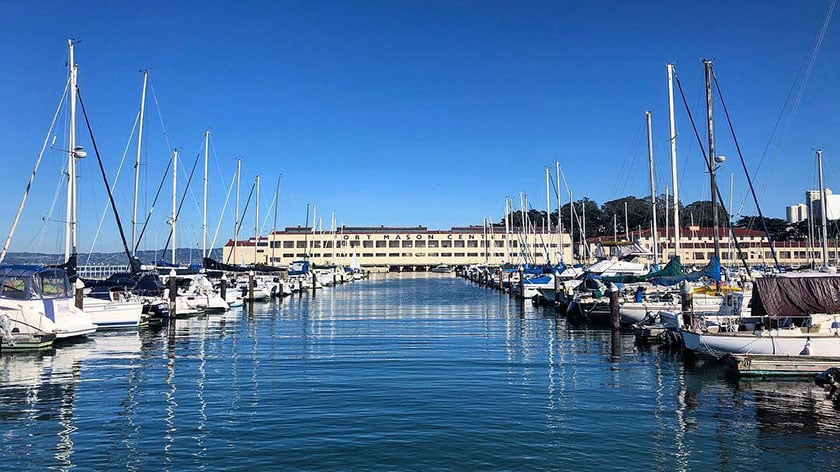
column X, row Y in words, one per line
column 472, row 254
column 288, row 244
column 459, row 243
column 367, row 254
column 420, row 244
column 434, row 254
column 300, row 244
column 406, row 244
column 328, row 244
column 433, row 244
column 406, row 254
column 472, row 243
column 288, row 255
column 367, row 243
column 393, row 244
column 393, row 254
column 381, row 243
column 459, row 254
column 419, row 254
column 446, row 244
column 446, row 254
column 354, row 243
column 498, row 244
column 380, row 254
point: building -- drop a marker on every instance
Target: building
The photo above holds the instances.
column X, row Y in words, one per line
column 400, row 248
column 796, row 213
column 696, row 247
column 813, row 205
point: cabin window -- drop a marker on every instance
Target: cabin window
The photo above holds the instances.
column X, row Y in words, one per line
column 14, row 287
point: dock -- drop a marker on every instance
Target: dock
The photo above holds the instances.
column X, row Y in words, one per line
column 768, row 365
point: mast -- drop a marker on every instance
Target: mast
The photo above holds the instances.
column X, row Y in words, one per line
column 507, row 229
column 583, row 230
column 174, row 202
column 667, row 226
column 137, row 165
column 257, row 219
column 274, row 228
column 485, row 240
column 559, row 217
column 571, row 220
column 711, row 128
column 236, row 212
column 547, row 229
column 204, row 216
column 672, row 138
column 823, row 211
column 332, row 228
column 70, row 239
column 654, row 230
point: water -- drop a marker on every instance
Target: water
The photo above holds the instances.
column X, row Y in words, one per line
column 410, row 372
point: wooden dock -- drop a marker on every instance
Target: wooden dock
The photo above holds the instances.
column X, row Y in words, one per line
column 767, row 365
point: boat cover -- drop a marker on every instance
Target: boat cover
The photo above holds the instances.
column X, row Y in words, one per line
column 796, row 295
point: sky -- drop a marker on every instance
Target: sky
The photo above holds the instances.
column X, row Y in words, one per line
column 406, row 113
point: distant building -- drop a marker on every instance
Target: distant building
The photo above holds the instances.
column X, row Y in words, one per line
column 813, row 204
column 796, row 213
column 399, row 248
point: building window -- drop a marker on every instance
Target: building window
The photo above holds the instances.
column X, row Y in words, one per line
column 367, row 243
column 382, row 243
column 393, row 244
column 393, row 254
column 498, row 243
column 446, row 254
column 433, row 244
column 406, row 244
column 288, row 244
column 459, row 243
column 354, row 243
column 367, row 254
column 472, row 254
column 446, row 244
column 459, row 254
column 419, row 254
column 406, row 254
column 434, row 254
column 288, row 254
column 301, row 244
column 380, row 254
column 420, row 244
column 472, row 243
column 698, row 255
column 328, row 245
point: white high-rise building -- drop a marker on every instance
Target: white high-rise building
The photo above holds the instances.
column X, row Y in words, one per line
column 796, row 213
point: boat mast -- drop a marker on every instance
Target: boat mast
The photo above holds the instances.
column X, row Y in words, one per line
column 571, row 221
column 559, row 217
column 712, row 163
column 333, row 228
column 507, row 230
column 672, row 138
column 655, row 230
column 257, row 219
column 137, row 165
column 204, row 216
column 823, row 211
column 70, row 239
column 274, row 229
column 174, row 219
column 236, row 212
column 547, row 229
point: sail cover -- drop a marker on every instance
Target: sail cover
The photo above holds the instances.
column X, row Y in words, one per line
column 798, row 295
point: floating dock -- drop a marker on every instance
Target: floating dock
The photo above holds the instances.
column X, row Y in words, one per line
column 767, row 365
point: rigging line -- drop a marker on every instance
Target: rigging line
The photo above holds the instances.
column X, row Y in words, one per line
column 802, row 84
column 268, row 213
column 160, row 117
column 32, row 175
column 181, row 204
column 113, row 186
column 152, row 208
column 744, row 166
column 627, row 166
column 221, row 216
column 709, row 168
column 104, row 177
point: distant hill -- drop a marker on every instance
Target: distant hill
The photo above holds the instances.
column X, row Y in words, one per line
column 183, row 255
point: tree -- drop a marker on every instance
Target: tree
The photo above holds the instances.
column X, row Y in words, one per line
column 778, row 229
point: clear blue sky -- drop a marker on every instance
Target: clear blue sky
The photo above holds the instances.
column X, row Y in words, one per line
column 408, row 112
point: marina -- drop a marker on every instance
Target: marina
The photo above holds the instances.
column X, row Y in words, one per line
column 420, row 236
column 399, row 371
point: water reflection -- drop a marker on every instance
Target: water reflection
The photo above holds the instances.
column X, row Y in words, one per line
column 395, row 373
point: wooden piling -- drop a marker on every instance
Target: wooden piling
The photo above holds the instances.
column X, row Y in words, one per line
column 522, row 285
column 687, row 304
column 314, row 282
column 615, row 314
column 79, row 294
column 223, row 288
column 251, row 286
column 173, row 293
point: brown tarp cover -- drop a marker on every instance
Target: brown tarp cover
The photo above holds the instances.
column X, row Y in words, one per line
column 796, row 296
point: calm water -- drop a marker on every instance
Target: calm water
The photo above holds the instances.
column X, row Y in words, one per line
column 410, row 372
